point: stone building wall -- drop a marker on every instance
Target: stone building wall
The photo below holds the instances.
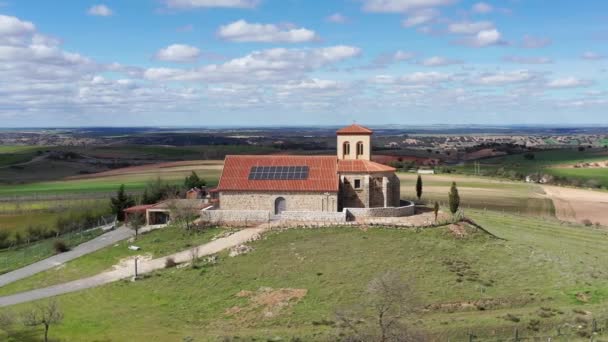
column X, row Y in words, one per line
column 235, row 216
column 353, row 140
column 295, row 201
column 374, row 189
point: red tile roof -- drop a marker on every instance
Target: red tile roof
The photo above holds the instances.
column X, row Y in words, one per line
column 355, row 129
column 365, row 166
column 139, row 208
column 322, row 174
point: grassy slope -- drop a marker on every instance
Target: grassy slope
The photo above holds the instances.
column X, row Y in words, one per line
column 155, row 244
column 11, row 259
column 543, row 264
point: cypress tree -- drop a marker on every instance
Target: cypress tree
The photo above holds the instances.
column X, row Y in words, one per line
column 121, row 202
column 454, row 198
column 419, row 187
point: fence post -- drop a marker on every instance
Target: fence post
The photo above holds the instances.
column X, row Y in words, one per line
column 516, row 335
column 594, row 326
column 470, row 337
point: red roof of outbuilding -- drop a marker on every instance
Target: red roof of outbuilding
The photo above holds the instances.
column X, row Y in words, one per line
column 139, row 208
column 355, row 129
column 364, row 166
column 322, row 174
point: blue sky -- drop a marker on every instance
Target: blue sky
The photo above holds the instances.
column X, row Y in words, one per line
column 290, row 62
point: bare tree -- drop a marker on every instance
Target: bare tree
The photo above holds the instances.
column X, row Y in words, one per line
column 45, row 315
column 381, row 316
column 135, row 222
column 183, row 213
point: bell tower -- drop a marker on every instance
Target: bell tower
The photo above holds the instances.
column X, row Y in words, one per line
column 354, row 142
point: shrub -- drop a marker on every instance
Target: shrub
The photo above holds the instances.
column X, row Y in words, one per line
column 170, row 262
column 60, row 246
column 587, row 222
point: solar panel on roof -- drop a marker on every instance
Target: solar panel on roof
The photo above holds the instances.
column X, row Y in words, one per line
column 278, row 173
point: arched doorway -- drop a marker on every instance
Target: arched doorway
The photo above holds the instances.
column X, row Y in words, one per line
column 279, row 205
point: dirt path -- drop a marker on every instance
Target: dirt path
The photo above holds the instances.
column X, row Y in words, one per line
column 212, row 247
column 576, row 205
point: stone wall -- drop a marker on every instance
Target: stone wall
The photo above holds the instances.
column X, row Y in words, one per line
column 351, row 197
column 356, row 213
column 295, row 201
column 313, row 216
column 235, row 216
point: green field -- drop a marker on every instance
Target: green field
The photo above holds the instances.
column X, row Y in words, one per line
column 133, row 181
column 480, row 193
column 11, row 259
column 154, row 244
column 517, row 166
column 10, row 155
column 544, row 271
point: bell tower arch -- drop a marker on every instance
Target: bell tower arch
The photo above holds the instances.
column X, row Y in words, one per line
column 354, row 142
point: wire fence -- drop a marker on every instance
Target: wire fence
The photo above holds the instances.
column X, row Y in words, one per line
column 579, row 328
column 24, row 254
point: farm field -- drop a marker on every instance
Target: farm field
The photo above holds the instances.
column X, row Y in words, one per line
column 554, row 162
column 134, row 179
column 544, row 275
column 481, row 193
column 578, row 205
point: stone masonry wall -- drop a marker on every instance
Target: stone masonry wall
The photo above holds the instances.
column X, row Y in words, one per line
column 295, row 201
column 241, row 216
column 313, row 216
column 407, row 210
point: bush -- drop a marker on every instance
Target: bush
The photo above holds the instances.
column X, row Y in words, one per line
column 60, row 246
column 170, row 262
column 587, row 222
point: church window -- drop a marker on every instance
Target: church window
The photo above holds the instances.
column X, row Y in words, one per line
column 359, row 148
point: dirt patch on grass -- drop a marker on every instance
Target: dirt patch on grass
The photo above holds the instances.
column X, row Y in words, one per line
column 577, row 205
column 457, row 230
column 265, row 303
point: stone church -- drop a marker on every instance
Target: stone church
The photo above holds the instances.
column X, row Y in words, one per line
column 278, row 183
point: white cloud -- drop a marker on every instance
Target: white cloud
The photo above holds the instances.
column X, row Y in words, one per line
column 531, row 42
column 439, row 61
column 504, row 78
column 271, row 64
column 420, row 17
column 178, row 53
column 100, row 10
column 568, row 82
column 468, row 27
column 386, row 59
column 482, row 8
column 485, row 38
column 12, row 26
column 189, row 4
column 401, row 6
column 592, row 56
column 337, row 18
column 242, row 31
column 528, row 60
column 425, row 78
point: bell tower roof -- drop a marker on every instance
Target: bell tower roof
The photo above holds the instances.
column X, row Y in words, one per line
column 355, row 129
